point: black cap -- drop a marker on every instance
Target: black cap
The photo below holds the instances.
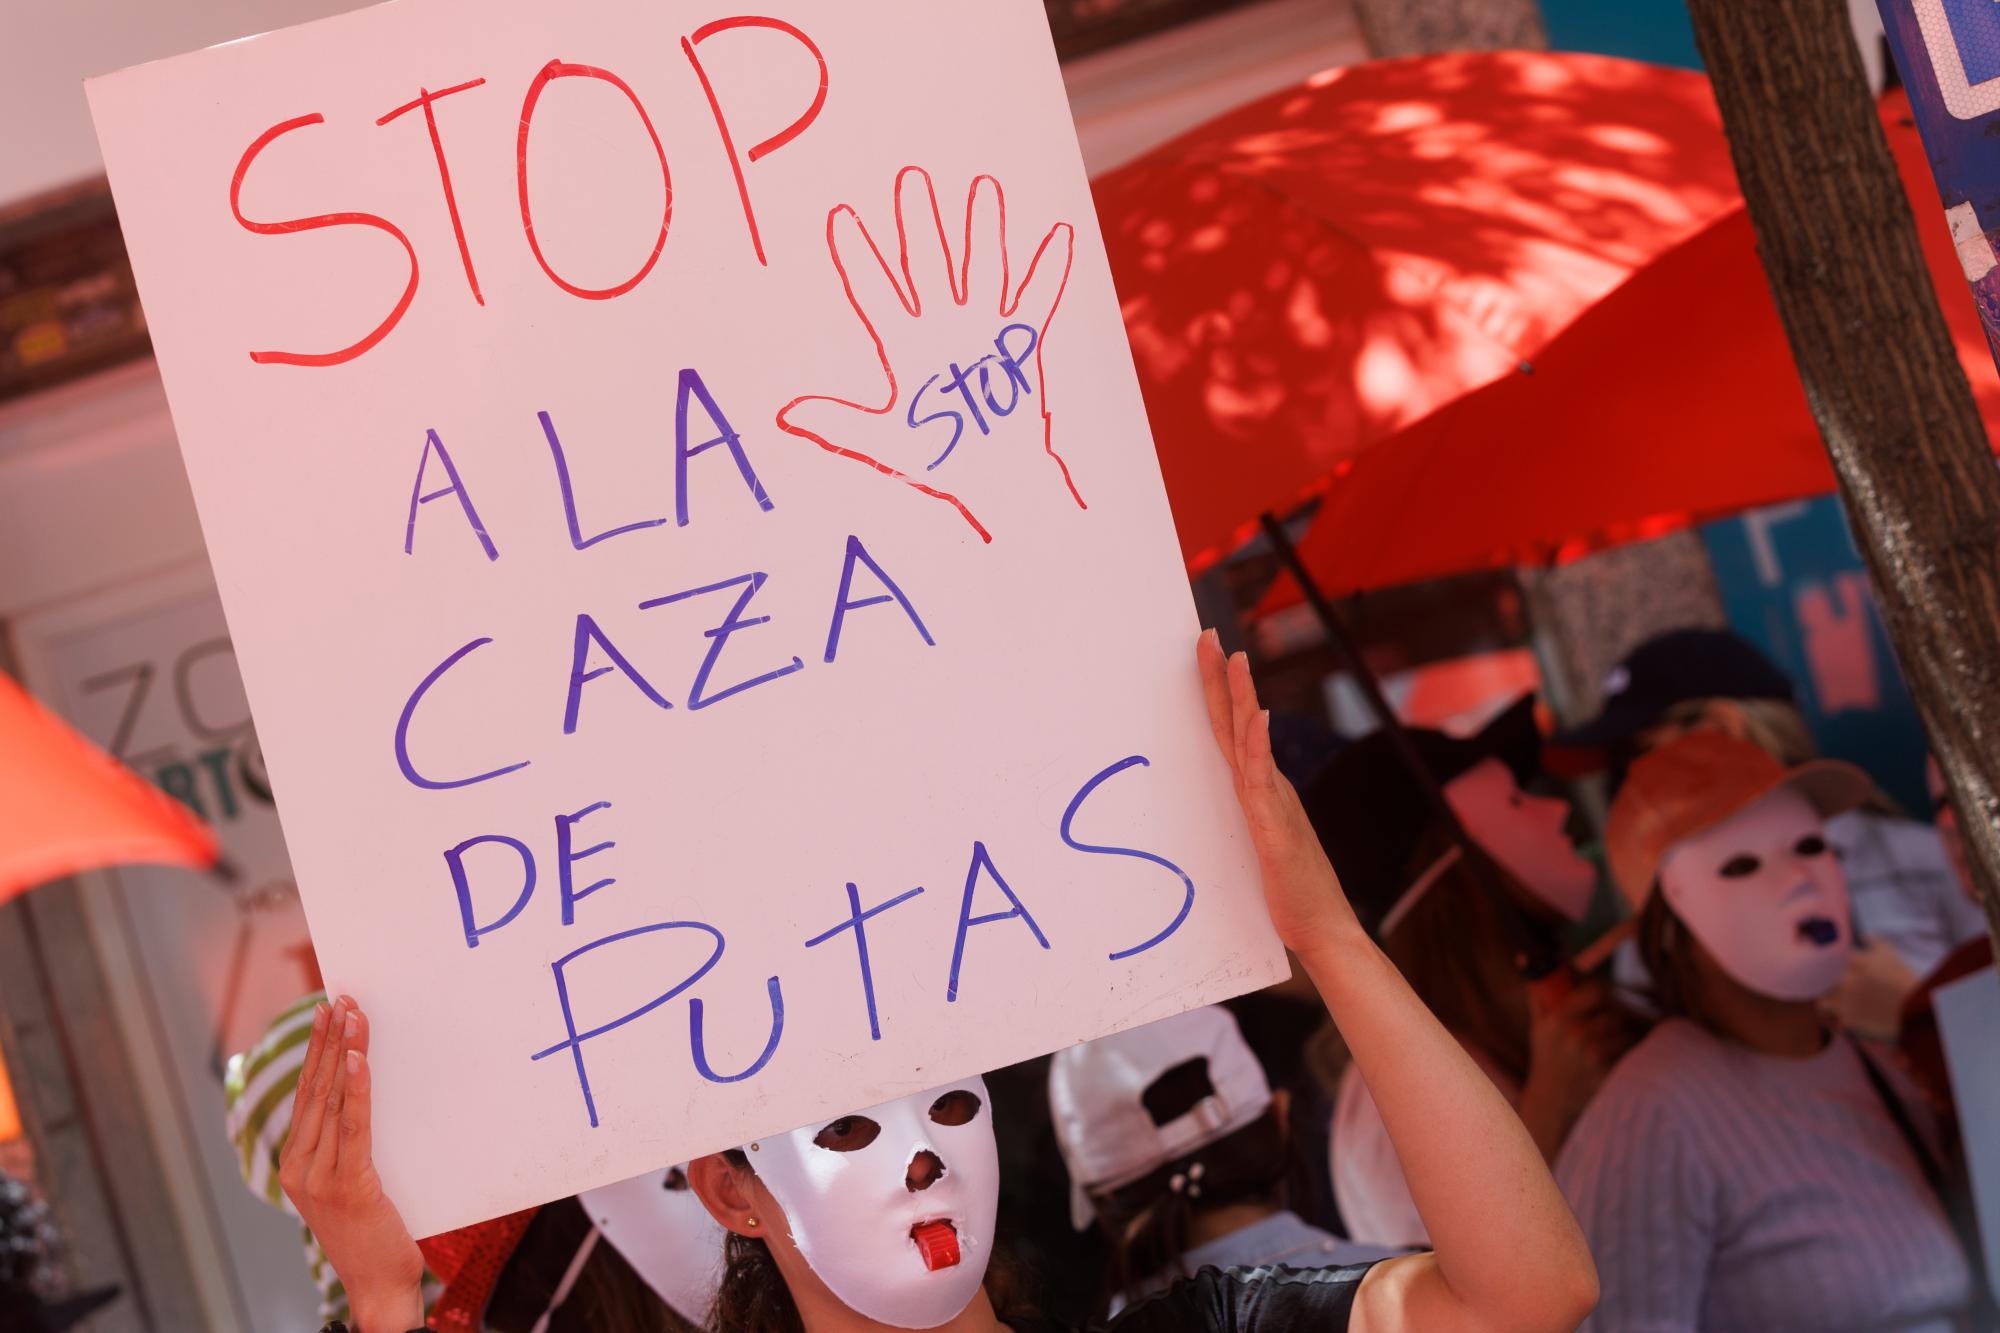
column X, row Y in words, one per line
column 1370, row 811
column 1675, row 668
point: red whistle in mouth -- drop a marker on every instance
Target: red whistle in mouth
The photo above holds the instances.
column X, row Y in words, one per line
column 937, row 1242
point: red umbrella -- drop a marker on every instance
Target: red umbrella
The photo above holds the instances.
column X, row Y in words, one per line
column 67, row 806
column 1672, row 401
column 1307, row 275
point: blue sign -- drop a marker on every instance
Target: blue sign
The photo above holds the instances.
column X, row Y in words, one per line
column 1948, row 53
column 1793, row 583
column 1975, row 27
column 1945, row 65
column 1653, row 30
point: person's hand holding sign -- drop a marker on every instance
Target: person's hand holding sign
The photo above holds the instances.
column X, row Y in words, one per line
column 327, row 1169
column 1300, row 888
column 960, row 340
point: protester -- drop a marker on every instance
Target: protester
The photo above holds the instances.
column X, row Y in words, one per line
column 1178, row 1149
column 1908, row 910
column 258, row 1088
column 882, row 1219
column 1456, row 923
column 1745, row 1167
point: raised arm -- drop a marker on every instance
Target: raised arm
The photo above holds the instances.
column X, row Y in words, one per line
column 1508, row 1256
column 327, row 1169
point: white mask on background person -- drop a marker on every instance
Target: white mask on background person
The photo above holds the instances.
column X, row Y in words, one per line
column 1766, row 896
column 1525, row 834
column 660, row 1227
column 893, row 1207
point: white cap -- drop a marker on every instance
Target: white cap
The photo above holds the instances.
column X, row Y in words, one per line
column 1097, row 1098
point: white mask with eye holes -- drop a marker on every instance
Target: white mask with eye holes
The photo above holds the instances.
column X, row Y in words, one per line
column 893, row 1207
column 1765, row 895
column 1525, row 834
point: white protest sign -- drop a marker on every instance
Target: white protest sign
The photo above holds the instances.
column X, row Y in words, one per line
column 721, row 655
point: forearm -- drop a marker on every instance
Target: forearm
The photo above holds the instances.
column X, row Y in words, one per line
column 1506, row 1244
column 1509, row 1257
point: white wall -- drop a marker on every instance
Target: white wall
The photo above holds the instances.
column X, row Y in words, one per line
column 49, row 47
column 92, row 492
column 1131, row 97
column 1126, row 98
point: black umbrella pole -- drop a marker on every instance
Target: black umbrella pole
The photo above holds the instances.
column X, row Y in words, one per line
column 1532, row 958
column 1342, row 643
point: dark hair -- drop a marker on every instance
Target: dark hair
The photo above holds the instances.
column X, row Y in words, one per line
column 1148, row 1221
column 1453, row 947
column 753, row 1297
column 608, row 1296
column 1666, row 948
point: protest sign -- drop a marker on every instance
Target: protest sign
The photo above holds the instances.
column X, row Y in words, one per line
column 689, row 530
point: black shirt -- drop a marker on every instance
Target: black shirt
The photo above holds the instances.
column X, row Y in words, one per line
column 1241, row 1300
column 1224, row 1300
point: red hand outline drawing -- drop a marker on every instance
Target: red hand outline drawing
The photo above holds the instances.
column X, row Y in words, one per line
column 1057, row 247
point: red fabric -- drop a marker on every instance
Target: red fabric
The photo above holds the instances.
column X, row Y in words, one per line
column 1674, row 400
column 1309, row 274
column 469, row 1262
column 66, row 806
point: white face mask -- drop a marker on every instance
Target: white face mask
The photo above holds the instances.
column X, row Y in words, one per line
column 1765, row 895
column 893, row 1207
column 660, row 1227
column 1524, row 834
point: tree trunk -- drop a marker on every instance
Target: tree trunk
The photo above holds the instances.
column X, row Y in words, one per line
column 1916, row 472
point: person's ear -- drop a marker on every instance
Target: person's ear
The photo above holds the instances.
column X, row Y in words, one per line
column 725, row 1189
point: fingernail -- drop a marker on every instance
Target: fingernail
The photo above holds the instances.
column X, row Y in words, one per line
column 319, row 1018
column 348, row 1000
column 353, row 1028
column 1210, row 636
column 354, row 1062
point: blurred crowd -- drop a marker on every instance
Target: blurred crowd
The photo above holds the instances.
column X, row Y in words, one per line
column 1716, row 1027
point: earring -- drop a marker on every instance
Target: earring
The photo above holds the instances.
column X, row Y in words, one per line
column 752, row 1222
